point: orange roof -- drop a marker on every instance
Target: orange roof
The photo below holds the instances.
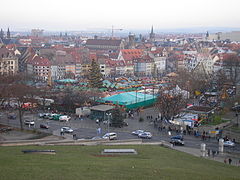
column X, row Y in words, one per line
column 130, row 54
column 40, row 61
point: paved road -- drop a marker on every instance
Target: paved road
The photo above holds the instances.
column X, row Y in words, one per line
column 87, row 129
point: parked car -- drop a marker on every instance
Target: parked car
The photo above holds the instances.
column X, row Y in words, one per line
column 236, row 108
column 146, row 135
column 177, row 142
column 66, row 130
column 137, row 132
column 44, row 126
column 55, row 117
column 64, row 118
column 229, row 143
column 180, row 137
column 44, row 115
column 29, row 122
column 12, row 116
column 110, row 136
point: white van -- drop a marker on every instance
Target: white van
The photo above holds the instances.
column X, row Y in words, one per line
column 110, row 136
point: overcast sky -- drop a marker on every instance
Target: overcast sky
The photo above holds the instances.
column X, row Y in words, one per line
column 66, row 15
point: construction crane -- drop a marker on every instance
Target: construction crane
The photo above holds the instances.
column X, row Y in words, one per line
column 115, row 30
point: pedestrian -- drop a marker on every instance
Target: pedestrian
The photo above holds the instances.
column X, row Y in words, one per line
column 225, row 160
column 230, row 161
column 74, row 136
column 213, row 153
column 169, row 133
column 208, row 152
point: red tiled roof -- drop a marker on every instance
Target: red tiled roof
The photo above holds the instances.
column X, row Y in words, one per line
column 40, row 61
column 130, row 54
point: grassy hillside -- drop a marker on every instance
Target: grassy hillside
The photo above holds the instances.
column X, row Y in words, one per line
column 85, row 162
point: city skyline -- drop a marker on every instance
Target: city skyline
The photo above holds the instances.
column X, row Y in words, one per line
column 74, row 15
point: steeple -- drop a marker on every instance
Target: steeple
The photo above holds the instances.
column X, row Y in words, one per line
column 152, row 35
column 207, row 35
column 8, row 33
column 1, row 34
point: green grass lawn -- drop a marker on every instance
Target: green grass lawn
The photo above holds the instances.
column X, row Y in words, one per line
column 84, row 162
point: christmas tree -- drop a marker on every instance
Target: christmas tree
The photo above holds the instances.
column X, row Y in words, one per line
column 95, row 76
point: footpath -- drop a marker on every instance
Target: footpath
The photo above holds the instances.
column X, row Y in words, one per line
column 221, row 157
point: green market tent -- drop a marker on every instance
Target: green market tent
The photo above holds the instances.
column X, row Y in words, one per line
column 67, row 81
column 130, row 100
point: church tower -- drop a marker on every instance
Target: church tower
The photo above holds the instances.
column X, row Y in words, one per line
column 1, row 34
column 207, row 36
column 152, row 35
column 8, row 34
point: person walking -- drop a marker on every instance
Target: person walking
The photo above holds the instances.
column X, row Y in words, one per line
column 225, row 160
column 230, row 161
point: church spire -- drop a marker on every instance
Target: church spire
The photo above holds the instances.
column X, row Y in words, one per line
column 207, row 35
column 8, row 34
column 1, row 34
column 152, row 30
column 152, row 35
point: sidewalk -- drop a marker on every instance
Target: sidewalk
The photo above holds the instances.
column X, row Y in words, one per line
column 219, row 157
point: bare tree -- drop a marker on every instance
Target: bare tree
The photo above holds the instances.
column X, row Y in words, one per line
column 14, row 87
column 170, row 103
column 22, row 94
column 231, row 67
column 192, row 81
column 71, row 99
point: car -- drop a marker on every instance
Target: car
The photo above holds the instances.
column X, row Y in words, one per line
column 180, row 137
column 12, row 116
column 146, row 135
column 44, row 115
column 44, row 126
column 229, row 143
column 137, row 132
column 66, row 130
column 236, row 108
column 64, row 118
column 29, row 122
column 177, row 142
column 110, row 136
column 55, row 117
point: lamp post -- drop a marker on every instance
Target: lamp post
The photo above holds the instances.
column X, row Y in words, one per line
column 143, row 87
column 108, row 114
column 237, row 114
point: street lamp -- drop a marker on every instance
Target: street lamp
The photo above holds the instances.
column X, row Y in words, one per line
column 108, row 115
